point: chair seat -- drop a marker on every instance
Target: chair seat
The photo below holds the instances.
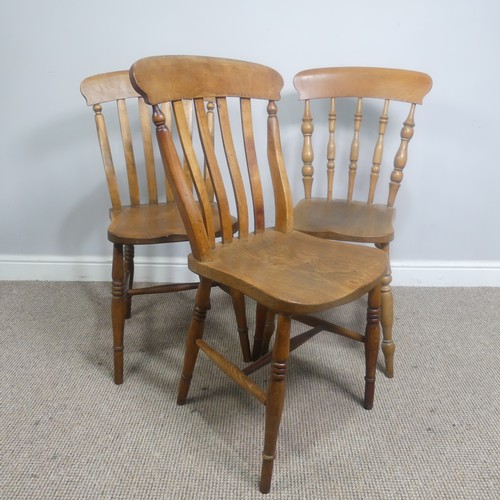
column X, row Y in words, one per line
column 146, row 224
column 294, row 272
column 345, row 220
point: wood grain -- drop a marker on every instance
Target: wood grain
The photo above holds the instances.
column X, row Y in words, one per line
column 382, row 83
column 345, row 218
column 144, row 220
column 285, row 271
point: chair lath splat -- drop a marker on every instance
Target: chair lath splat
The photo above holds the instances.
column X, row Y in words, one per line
column 128, row 149
column 252, row 165
column 147, row 141
column 101, row 92
column 210, row 184
column 234, row 168
column 185, row 132
column 219, row 154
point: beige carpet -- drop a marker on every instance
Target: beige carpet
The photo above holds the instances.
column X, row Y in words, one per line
column 66, row 431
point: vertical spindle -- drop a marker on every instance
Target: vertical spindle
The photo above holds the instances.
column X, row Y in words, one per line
column 330, row 153
column 379, row 150
column 307, row 150
column 353, row 165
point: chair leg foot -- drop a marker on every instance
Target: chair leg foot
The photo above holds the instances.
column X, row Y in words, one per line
column 182, row 393
column 388, row 348
column 195, row 332
column 275, row 400
column 118, row 311
column 266, row 474
column 118, row 366
column 387, row 320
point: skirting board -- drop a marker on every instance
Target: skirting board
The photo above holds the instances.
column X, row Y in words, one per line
column 405, row 273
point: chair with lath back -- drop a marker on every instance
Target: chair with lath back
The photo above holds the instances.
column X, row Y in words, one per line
column 343, row 218
column 140, row 215
column 286, row 271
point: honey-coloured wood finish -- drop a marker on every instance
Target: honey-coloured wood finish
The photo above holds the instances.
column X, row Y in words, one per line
column 140, row 214
column 338, row 215
column 285, row 271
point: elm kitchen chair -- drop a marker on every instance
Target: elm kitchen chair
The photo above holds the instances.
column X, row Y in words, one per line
column 151, row 215
column 344, row 218
column 286, row 271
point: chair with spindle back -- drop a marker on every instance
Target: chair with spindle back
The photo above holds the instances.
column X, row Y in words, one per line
column 144, row 220
column 286, row 271
column 343, row 218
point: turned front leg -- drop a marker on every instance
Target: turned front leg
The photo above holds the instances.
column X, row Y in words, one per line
column 372, row 344
column 118, row 310
column 195, row 332
column 275, row 399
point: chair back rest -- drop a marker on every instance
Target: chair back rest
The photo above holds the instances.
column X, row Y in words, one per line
column 363, row 84
column 112, row 94
column 235, row 86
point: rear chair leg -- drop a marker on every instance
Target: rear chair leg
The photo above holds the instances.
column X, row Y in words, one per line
column 264, row 329
column 195, row 332
column 260, row 320
column 241, row 320
column 387, row 317
column 129, row 276
column 268, row 331
column 118, row 310
column 275, row 399
column 372, row 344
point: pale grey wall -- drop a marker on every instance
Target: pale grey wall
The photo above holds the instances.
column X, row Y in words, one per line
column 52, row 195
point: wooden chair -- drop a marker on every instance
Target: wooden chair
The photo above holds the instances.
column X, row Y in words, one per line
column 286, row 271
column 151, row 215
column 341, row 217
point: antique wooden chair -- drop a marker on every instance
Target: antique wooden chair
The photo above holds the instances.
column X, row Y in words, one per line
column 151, row 215
column 286, row 271
column 341, row 217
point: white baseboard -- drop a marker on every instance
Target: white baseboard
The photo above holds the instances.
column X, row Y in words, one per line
column 405, row 273
column 57, row 268
column 446, row 273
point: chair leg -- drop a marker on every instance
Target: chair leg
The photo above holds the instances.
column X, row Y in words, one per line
column 269, row 328
column 275, row 399
column 387, row 317
column 260, row 321
column 264, row 329
column 129, row 274
column 372, row 344
column 118, row 310
column 241, row 320
column 195, row 332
